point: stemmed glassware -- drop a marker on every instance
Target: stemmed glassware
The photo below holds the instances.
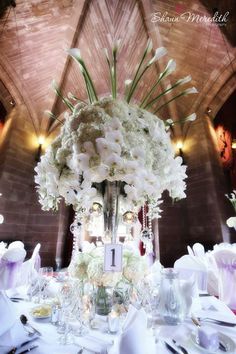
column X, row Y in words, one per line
column 66, row 299
column 84, row 312
column 45, row 274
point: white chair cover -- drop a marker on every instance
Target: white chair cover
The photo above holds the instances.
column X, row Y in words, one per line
column 10, row 265
column 189, row 266
column 30, row 267
column 226, row 263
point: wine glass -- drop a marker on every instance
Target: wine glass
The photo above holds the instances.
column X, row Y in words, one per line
column 66, row 299
column 45, row 274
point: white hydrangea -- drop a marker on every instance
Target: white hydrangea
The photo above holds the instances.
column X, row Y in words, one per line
column 115, row 141
column 88, row 266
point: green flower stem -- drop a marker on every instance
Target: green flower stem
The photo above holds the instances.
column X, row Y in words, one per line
column 64, row 100
column 150, row 103
column 89, row 80
column 52, row 116
column 172, row 99
column 114, row 75
column 87, row 89
column 136, row 76
column 134, row 84
column 151, row 91
column 77, row 99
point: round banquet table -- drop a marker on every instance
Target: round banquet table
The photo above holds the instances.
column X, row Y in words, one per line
column 101, row 342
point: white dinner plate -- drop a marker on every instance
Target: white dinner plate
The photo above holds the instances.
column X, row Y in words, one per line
column 223, row 338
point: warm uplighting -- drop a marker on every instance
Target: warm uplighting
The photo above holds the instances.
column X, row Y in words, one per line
column 41, row 140
column 233, row 144
column 179, row 145
column 96, row 209
column 129, row 218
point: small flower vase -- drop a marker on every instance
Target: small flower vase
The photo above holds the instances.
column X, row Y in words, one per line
column 103, row 301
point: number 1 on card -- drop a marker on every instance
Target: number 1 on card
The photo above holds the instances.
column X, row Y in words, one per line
column 113, row 257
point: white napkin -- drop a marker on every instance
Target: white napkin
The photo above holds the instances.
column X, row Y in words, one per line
column 189, row 265
column 16, row 244
column 190, row 296
column 30, row 268
column 7, row 314
column 14, row 336
column 198, row 249
column 133, row 338
column 154, row 276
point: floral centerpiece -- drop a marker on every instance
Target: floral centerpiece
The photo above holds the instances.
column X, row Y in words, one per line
column 114, row 142
column 231, row 222
column 87, row 266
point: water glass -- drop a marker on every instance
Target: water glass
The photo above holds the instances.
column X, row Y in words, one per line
column 171, row 305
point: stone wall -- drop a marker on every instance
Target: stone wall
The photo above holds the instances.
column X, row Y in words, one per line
column 24, row 219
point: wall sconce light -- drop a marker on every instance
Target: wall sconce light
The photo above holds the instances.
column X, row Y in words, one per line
column 41, row 141
column 1, row 216
column 12, row 103
column 233, row 144
column 179, row 147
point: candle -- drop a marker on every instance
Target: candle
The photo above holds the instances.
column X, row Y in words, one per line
column 113, row 322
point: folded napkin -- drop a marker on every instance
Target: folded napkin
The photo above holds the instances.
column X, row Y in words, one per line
column 16, row 244
column 192, row 265
column 133, row 338
column 190, row 295
column 29, row 269
column 94, row 344
column 154, row 276
column 7, row 314
column 10, row 264
column 198, row 250
column 14, row 336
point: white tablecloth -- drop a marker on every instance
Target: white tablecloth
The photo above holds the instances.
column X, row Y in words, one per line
column 48, row 343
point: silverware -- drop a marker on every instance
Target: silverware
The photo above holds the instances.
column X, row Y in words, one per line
column 219, row 322
column 28, row 350
column 222, row 347
column 171, row 349
column 183, row 350
column 197, row 323
column 13, row 350
column 24, row 321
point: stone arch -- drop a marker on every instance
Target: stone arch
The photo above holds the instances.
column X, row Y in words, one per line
column 14, row 90
column 221, row 83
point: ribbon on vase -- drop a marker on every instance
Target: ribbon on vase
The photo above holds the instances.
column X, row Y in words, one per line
column 8, row 273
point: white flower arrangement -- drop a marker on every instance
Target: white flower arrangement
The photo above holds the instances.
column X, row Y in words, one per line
column 87, row 266
column 111, row 139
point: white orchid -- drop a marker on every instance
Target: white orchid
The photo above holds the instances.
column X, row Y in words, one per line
column 110, row 140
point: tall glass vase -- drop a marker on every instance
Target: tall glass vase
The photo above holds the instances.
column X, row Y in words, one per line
column 111, row 194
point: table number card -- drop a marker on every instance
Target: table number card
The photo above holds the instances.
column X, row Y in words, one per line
column 113, row 257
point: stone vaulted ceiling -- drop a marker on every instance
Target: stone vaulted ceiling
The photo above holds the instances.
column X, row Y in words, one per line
column 35, row 34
